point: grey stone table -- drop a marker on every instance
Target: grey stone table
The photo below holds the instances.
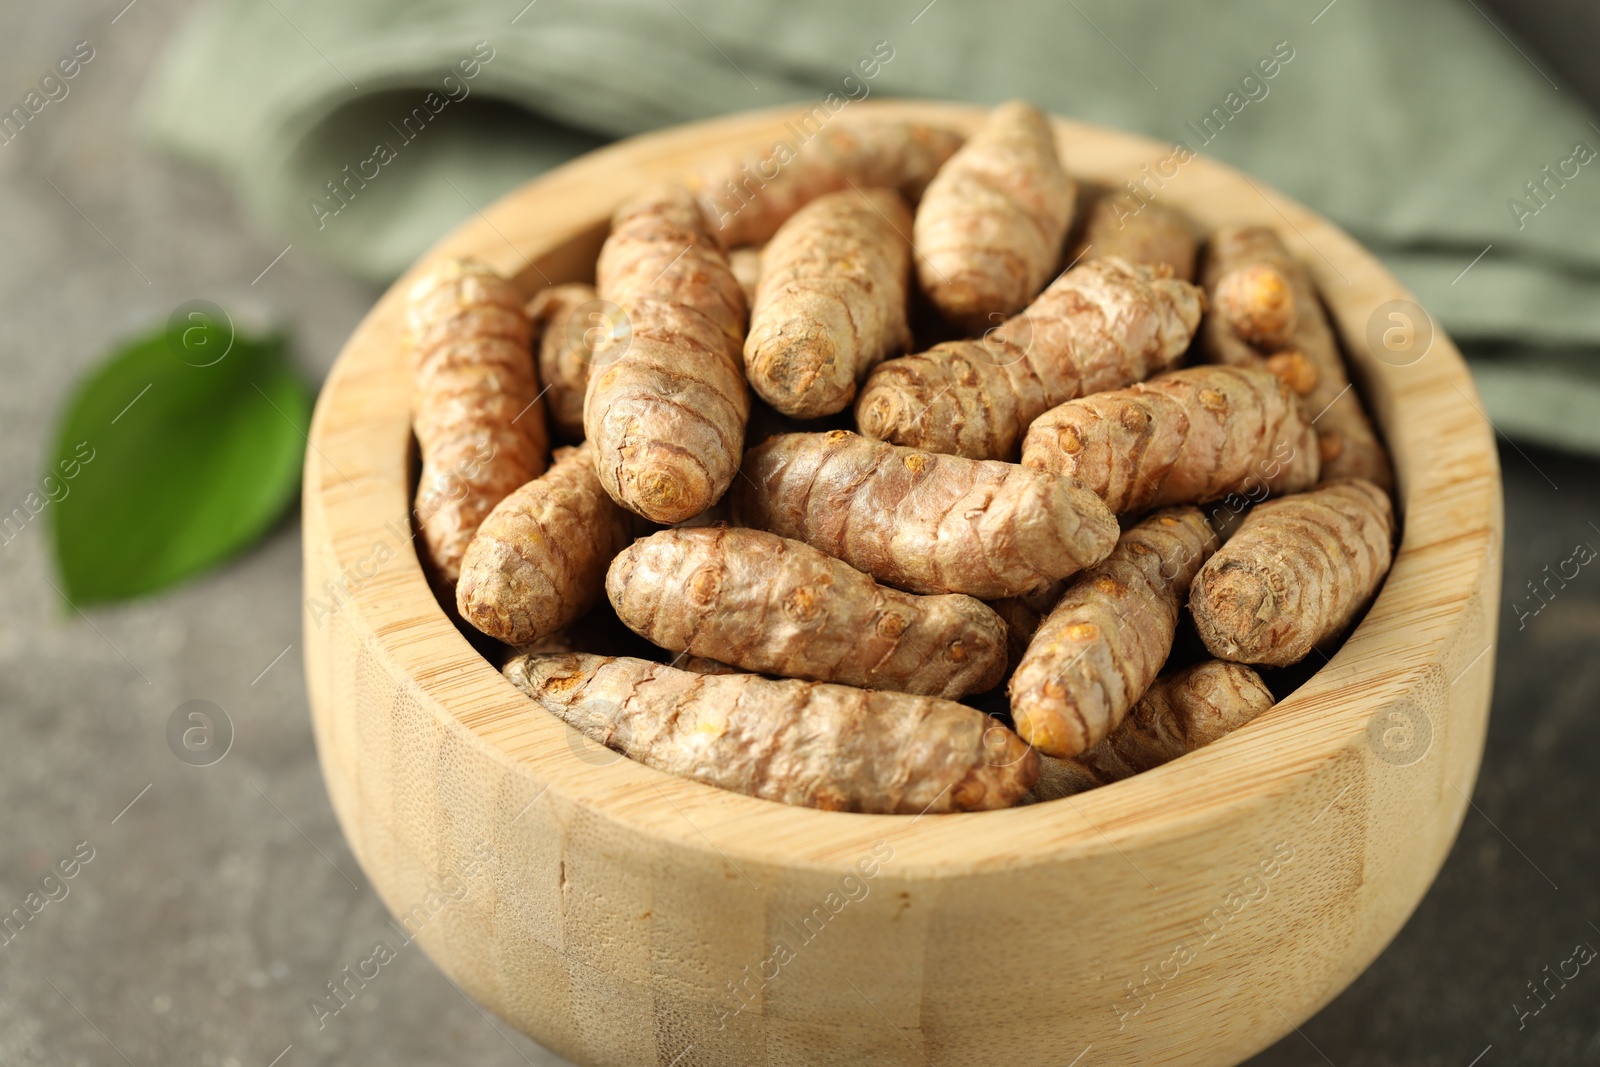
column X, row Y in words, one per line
column 209, row 905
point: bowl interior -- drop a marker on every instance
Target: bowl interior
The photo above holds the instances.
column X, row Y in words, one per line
column 550, row 232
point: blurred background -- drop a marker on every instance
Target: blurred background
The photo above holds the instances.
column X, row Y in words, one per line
column 160, row 156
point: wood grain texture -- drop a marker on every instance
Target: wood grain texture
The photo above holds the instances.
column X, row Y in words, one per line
column 625, row 917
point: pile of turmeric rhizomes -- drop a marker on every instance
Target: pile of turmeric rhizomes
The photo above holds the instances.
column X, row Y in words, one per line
column 790, row 594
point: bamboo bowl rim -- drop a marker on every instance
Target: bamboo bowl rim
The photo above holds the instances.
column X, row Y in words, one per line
column 357, row 488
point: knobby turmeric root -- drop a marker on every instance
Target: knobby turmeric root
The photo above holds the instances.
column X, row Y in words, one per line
column 539, row 560
column 924, row 522
column 478, row 424
column 667, row 415
column 746, row 200
column 1250, row 299
column 776, row 606
column 1187, row 437
column 989, row 229
column 565, row 354
column 1257, row 303
column 1104, row 642
column 1179, row 713
column 1293, row 369
column 831, row 303
column 1150, row 234
column 808, row 743
column 1102, row 325
column 1294, row 574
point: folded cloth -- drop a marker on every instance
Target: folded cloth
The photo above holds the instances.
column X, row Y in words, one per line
column 1419, row 127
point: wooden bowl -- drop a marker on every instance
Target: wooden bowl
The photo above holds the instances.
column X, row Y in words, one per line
column 1193, row 914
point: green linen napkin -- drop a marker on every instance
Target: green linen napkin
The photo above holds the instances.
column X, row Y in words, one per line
column 1420, row 127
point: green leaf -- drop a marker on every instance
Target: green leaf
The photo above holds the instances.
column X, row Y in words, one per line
column 180, row 451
